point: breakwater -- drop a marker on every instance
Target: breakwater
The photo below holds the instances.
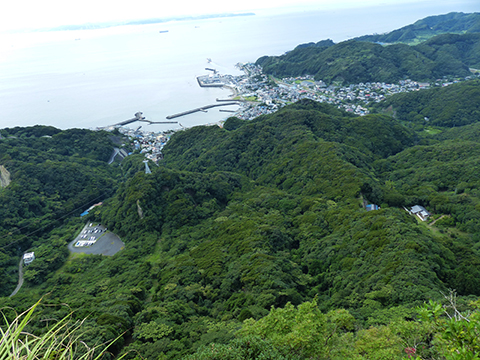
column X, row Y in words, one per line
column 203, row 83
column 126, row 122
column 203, row 108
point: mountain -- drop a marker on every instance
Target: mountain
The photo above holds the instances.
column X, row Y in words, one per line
column 254, row 241
column 267, row 213
column 421, row 30
column 356, row 61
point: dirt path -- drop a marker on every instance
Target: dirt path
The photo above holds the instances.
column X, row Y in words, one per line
column 434, row 221
column 20, row 277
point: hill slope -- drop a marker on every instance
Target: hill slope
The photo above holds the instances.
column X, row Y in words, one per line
column 53, row 174
column 451, row 106
column 269, row 212
column 423, row 29
column 355, row 61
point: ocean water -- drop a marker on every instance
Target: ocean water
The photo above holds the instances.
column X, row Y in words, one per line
column 95, row 78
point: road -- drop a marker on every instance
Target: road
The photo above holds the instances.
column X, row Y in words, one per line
column 108, row 244
column 115, row 152
column 20, row 277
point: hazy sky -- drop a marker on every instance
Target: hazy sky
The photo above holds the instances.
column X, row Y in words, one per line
column 18, row 14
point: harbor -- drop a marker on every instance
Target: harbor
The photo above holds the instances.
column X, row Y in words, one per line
column 207, row 81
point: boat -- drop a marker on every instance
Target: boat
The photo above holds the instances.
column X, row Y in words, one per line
column 163, row 31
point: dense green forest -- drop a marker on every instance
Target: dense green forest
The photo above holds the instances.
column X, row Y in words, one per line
column 352, row 62
column 252, row 226
column 423, row 29
column 54, row 174
column 451, row 106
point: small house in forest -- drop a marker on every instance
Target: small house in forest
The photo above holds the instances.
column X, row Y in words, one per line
column 28, row 258
column 420, row 211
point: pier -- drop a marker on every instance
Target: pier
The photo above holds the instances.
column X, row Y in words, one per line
column 202, row 83
column 139, row 117
column 203, row 108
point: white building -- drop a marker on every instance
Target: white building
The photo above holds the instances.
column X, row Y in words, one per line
column 420, row 211
column 28, row 258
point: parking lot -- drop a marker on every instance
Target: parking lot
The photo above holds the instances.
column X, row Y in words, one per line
column 96, row 239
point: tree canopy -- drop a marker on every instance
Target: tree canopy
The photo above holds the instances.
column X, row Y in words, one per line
column 353, row 62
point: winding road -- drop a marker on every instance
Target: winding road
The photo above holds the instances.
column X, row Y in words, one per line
column 20, row 277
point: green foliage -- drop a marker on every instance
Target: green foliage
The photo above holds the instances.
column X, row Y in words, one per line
column 54, row 174
column 62, row 340
column 453, row 106
column 353, row 62
column 428, row 27
column 304, row 331
column 229, row 239
column 233, row 123
column 48, row 259
column 245, row 348
column 456, row 334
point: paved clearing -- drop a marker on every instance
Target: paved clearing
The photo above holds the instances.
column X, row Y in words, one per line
column 108, row 244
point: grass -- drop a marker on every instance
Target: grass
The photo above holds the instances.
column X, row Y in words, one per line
column 432, row 131
column 61, row 342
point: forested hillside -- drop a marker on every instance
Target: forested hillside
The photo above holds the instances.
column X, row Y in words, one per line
column 253, row 240
column 423, row 29
column 452, row 106
column 53, row 174
column 260, row 214
column 352, row 62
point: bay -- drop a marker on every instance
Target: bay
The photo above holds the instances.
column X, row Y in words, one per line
column 96, row 78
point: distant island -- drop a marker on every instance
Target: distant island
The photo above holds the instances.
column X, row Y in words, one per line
column 103, row 25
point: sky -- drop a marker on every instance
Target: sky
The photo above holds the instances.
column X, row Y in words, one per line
column 33, row 14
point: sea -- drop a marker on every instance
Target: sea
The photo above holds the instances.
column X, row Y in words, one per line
column 97, row 78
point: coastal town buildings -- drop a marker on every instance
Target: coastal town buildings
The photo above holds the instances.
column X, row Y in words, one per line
column 260, row 94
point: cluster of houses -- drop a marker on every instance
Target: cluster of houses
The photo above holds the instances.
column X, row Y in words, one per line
column 353, row 98
column 270, row 96
column 148, row 143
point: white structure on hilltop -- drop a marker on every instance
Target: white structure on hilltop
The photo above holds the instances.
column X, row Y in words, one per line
column 28, row 258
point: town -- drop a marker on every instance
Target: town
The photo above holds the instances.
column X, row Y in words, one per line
column 259, row 94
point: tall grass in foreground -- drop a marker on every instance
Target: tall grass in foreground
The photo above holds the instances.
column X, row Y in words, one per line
column 61, row 342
